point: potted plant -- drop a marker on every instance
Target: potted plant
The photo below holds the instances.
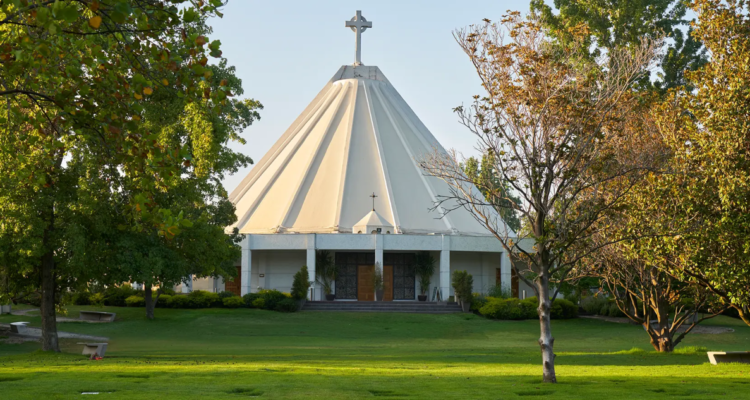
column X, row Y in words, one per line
column 325, row 273
column 462, row 283
column 377, row 282
column 300, row 286
column 424, row 268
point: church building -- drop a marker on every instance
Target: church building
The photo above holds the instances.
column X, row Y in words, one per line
column 345, row 178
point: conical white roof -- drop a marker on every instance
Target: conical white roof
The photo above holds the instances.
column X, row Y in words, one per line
column 358, row 136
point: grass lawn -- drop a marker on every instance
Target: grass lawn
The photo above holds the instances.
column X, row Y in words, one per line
column 233, row 354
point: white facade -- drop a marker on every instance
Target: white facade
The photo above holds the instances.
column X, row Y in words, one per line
column 345, row 177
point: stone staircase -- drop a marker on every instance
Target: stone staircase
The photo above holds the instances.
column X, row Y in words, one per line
column 417, row 307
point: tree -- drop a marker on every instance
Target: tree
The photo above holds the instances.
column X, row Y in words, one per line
column 494, row 190
column 646, row 294
column 74, row 77
column 557, row 123
column 195, row 195
column 610, row 24
column 704, row 202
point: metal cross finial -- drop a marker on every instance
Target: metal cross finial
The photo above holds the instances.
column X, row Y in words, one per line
column 359, row 24
column 373, row 200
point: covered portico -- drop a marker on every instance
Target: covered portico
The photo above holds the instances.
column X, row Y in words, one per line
column 482, row 254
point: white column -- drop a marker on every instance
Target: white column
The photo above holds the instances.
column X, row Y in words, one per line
column 505, row 274
column 379, row 251
column 311, row 264
column 187, row 285
column 246, row 268
column 445, row 268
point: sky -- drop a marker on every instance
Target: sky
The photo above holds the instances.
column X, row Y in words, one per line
column 286, row 51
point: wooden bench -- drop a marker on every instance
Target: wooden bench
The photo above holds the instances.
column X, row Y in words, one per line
column 97, row 316
column 97, row 349
column 720, row 357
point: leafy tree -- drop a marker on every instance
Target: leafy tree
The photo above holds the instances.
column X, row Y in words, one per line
column 702, row 207
column 195, row 195
column 75, row 76
column 611, row 24
column 494, row 190
column 557, row 123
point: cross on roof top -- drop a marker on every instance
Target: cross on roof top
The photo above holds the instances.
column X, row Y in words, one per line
column 373, row 200
column 359, row 24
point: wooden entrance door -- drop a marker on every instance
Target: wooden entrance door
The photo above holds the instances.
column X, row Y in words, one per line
column 234, row 286
column 388, row 283
column 365, row 286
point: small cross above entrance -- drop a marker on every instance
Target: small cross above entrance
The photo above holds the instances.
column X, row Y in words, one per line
column 359, row 24
column 373, row 200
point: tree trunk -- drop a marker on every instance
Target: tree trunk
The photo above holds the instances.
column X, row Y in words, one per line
column 150, row 300
column 661, row 340
column 546, row 341
column 49, row 320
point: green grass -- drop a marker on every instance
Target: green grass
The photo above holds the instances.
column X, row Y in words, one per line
column 236, row 354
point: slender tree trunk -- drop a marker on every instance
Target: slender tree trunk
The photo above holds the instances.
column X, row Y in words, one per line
column 546, row 341
column 49, row 320
column 150, row 300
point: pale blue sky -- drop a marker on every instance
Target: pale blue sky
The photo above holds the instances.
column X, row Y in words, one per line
column 286, row 51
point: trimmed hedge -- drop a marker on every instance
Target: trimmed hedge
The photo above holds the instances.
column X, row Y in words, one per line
column 516, row 309
column 135, row 301
column 204, row 299
column 286, row 305
column 233, row 302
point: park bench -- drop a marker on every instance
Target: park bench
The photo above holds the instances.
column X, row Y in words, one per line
column 18, row 327
column 95, row 349
column 720, row 357
column 97, row 316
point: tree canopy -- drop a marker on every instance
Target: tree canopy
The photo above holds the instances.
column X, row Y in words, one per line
column 76, row 79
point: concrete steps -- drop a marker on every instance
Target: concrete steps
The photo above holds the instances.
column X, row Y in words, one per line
column 417, row 307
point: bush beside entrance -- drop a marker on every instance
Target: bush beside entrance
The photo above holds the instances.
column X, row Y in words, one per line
column 516, row 309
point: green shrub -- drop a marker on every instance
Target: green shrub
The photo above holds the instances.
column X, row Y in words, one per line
column 510, row 309
column 178, row 301
column 135, row 301
column 168, row 291
column 115, row 295
column 97, row 299
column 478, row 302
column 259, row 303
column 301, row 284
column 271, row 298
column 286, row 305
column 204, row 299
column 250, row 298
column 226, row 294
column 233, row 302
column 462, row 283
column 614, row 311
column 82, row 298
column 164, row 301
column 499, row 292
column 604, row 310
column 593, row 304
column 564, row 309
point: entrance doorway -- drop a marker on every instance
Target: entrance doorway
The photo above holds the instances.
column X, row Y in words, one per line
column 234, row 286
column 365, row 286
